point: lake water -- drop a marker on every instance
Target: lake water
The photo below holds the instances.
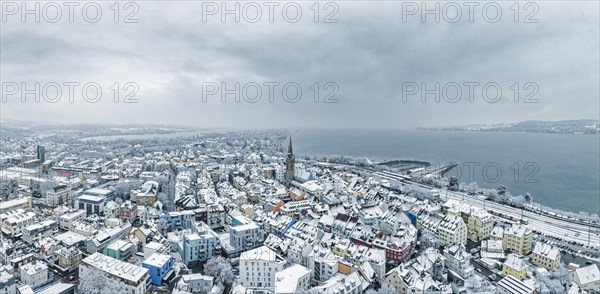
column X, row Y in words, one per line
column 560, row 171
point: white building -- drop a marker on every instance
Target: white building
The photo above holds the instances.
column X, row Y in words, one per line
column 452, row 230
column 66, row 220
column 7, row 283
column 132, row 278
column 14, row 222
column 259, row 266
column 588, row 278
column 37, row 231
column 294, row 279
column 34, row 274
column 458, row 261
column 57, row 195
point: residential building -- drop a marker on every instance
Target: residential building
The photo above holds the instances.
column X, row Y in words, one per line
column 19, row 203
column 458, row 261
column 66, row 220
column 15, row 222
column 195, row 283
column 43, row 229
column 128, row 211
column 7, row 283
column 294, row 279
column 160, row 267
column 452, row 230
column 58, row 195
column 515, row 267
column 259, row 266
column 119, row 249
column 132, row 278
column 545, row 255
column 34, row 274
column 588, row 278
column 69, row 258
column 518, row 239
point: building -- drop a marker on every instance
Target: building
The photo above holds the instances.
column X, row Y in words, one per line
column 146, row 195
column 34, row 274
column 458, row 261
column 510, row 285
column 7, row 283
column 128, row 211
column 518, row 239
column 91, row 204
column 132, row 278
column 197, row 246
column 58, row 288
column 160, row 267
column 66, row 220
column 15, row 204
column 57, row 195
column 37, row 231
column 195, row 283
column 69, row 258
column 111, row 209
column 514, row 266
column 119, row 249
column 479, row 225
column 294, row 279
column 245, row 236
column 588, row 278
column 259, row 266
column 452, row 230
column 13, row 223
column 290, row 163
column 545, row 255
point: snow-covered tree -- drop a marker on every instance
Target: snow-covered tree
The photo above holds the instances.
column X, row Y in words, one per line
column 219, row 268
column 95, row 281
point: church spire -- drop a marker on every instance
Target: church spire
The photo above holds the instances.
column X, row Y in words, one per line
column 290, row 151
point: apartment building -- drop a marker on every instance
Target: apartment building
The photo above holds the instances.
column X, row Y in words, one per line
column 37, row 231
column 66, row 220
column 259, row 266
column 514, row 266
column 518, row 239
column 34, row 274
column 545, row 255
column 132, row 278
column 452, row 230
column 15, row 222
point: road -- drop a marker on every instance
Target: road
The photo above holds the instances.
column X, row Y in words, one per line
column 560, row 228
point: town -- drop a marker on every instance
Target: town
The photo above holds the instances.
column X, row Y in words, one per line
column 241, row 212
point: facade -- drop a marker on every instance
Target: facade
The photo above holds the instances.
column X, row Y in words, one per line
column 69, row 258
column 515, row 267
column 35, row 232
column 294, row 279
column 128, row 211
column 57, row 195
column 452, row 230
column 34, row 274
column 19, row 203
column 545, row 255
column 518, row 239
column 119, row 249
column 479, row 225
column 7, row 283
column 458, row 261
column 198, row 246
column 146, row 195
column 91, row 204
column 66, row 220
column 160, row 267
column 259, row 266
column 15, row 222
column 196, row 283
column 588, row 278
column 245, row 236
column 132, row 278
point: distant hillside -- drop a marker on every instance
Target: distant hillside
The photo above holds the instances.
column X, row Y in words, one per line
column 581, row 126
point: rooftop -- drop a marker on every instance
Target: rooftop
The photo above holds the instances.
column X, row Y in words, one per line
column 115, row 267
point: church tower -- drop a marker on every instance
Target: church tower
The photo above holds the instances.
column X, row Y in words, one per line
column 290, row 164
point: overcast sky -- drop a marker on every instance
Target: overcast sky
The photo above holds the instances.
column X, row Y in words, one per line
column 369, row 53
